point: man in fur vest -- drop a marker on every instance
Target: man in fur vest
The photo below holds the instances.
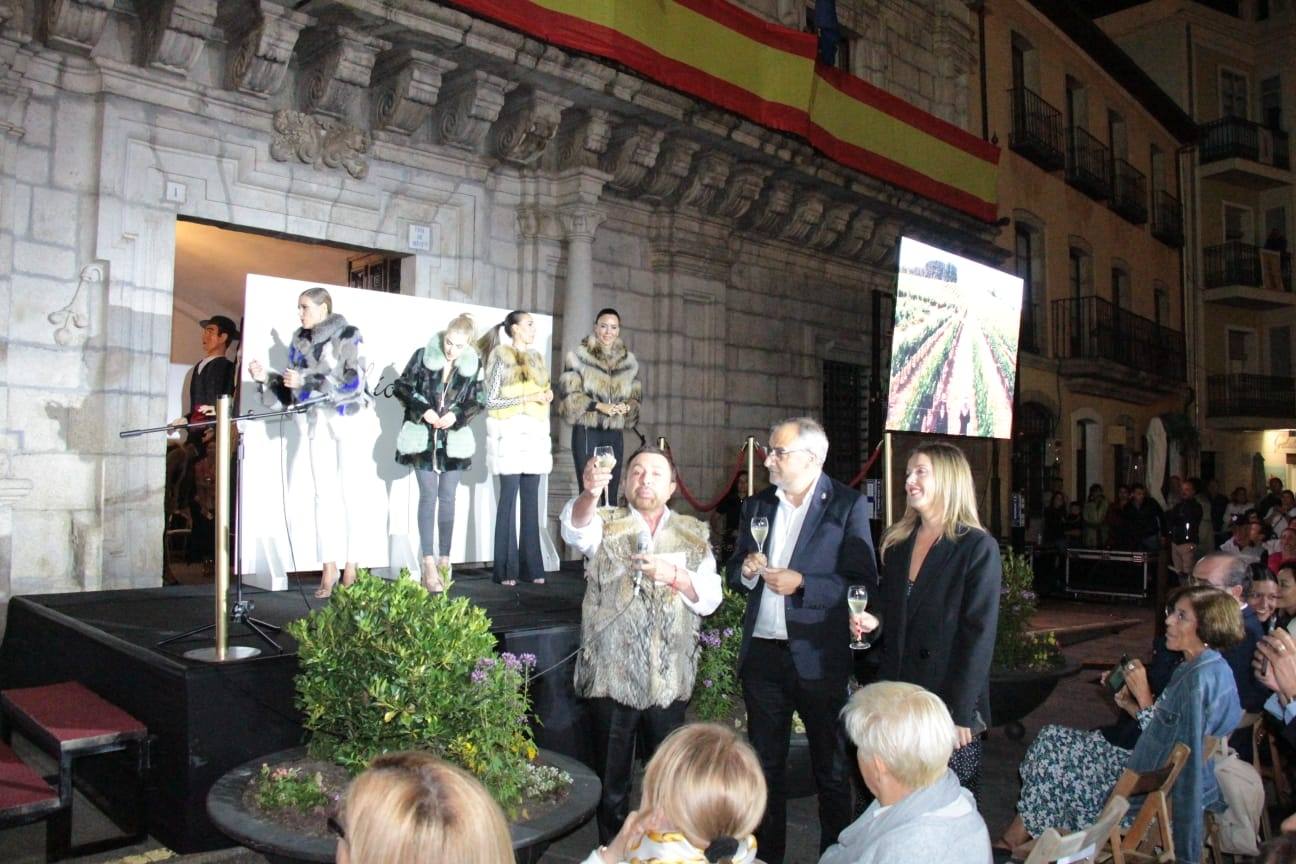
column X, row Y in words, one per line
column 650, row 579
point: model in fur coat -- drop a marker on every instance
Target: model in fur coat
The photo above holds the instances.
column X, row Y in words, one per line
column 600, row 394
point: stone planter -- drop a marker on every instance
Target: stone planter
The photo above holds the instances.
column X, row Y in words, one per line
column 1015, row 694
column 278, row 844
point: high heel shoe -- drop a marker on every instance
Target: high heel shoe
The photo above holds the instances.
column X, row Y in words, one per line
column 326, row 586
column 431, row 579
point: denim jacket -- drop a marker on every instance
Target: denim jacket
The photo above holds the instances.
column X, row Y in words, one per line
column 1201, row 699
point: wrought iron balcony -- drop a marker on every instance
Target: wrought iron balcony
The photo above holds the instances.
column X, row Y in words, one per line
column 1236, row 138
column 1109, row 351
column 1238, row 396
column 1167, row 219
column 1036, row 129
column 1129, row 192
column 1238, row 263
column 1088, row 165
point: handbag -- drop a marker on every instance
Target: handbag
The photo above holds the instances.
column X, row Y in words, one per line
column 413, row 438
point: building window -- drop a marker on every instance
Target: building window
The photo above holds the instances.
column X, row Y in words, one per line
column 1078, row 271
column 1156, row 163
column 1116, row 136
column 843, row 59
column 1233, row 94
column 1161, row 305
column 843, row 400
column 1280, row 351
column 1120, row 289
column 1029, row 251
column 1271, row 102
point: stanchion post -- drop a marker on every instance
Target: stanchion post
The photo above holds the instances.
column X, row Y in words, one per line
column 661, row 443
column 886, row 476
column 751, row 464
column 222, row 523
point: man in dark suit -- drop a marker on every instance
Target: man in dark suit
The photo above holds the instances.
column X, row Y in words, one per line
column 795, row 654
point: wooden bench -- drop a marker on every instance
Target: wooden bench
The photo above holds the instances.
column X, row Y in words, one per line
column 69, row 721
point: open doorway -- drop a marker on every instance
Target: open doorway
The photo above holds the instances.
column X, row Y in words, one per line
column 212, row 263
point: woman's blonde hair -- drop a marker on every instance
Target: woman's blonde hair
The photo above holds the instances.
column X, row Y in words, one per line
column 706, row 783
column 463, row 323
column 951, row 486
column 906, row 728
column 415, row 807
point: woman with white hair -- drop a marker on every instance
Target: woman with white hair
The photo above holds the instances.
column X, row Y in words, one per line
column 921, row 813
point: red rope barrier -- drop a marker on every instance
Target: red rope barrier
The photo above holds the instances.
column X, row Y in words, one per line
column 859, row 478
column 711, row 505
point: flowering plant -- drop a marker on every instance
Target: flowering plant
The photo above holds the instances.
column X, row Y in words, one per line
column 289, row 787
column 387, row 666
column 1015, row 646
column 716, row 692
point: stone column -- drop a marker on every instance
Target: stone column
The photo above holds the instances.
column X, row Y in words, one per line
column 12, row 489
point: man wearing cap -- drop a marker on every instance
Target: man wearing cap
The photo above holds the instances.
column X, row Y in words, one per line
column 213, row 376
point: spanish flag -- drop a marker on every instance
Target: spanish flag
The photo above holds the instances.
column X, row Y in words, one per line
column 713, row 50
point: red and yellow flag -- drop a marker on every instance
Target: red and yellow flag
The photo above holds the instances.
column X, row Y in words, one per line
column 725, row 55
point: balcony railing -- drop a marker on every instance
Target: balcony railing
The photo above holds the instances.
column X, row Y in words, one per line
column 1129, row 192
column 1243, row 395
column 1036, row 129
column 1238, row 263
column 1167, row 219
column 1092, row 328
column 1235, row 138
column 1088, row 164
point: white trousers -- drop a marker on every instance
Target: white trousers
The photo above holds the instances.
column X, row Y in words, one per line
column 340, row 454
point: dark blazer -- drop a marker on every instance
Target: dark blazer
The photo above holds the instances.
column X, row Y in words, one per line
column 834, row 549
column 941, row 635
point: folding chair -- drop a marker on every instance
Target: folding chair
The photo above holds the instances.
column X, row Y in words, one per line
column 1084, row 847
column 1140, row 843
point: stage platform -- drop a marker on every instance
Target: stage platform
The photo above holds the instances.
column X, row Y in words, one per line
column 208, row 718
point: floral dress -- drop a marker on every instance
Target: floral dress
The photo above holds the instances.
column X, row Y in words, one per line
column 1067, row 775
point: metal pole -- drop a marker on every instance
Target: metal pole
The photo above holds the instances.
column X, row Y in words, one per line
column 751, row 464
column 222, row 523
column 886, row 476
column 661, row 443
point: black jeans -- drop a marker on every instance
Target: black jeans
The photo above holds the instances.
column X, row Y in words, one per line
column 772, row 690
column 517, row 553
column 584, row 440
column 616, row 729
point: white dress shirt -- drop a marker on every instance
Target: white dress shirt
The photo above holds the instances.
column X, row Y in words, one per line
column 706, row 581
column 785, row 530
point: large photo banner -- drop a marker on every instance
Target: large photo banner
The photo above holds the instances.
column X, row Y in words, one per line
column 954, row 351
column 276, row 490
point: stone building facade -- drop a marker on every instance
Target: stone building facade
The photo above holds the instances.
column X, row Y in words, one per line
column 740, row 258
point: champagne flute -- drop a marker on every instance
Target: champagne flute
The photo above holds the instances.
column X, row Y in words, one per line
column 759, row 531
column 604, row 460
column 857, row 600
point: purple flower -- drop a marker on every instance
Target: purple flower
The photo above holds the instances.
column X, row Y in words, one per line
column 478, row 676
column 708, row 683
column 726, row 632
column 522, row 719
column 511, row 661
column 484, row 663
column 527, row 659
column 1028, row 596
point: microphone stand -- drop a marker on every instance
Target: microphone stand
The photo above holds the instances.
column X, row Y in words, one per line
column 222, row 652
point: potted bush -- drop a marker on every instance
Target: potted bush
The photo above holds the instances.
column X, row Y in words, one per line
column 386, row 666
column 1027, row 666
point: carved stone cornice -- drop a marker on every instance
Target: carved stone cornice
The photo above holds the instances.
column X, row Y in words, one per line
column 536, row 222
column 527, row 123
column 670, row 169
column 583, row 138
column 773, row 207
column 336, row 63
column 835, row 219
column 710, row 171
column 261, row 36
column 630, row 154
column 882, row 245
column 73, row 25
column 857, row 234
column 806, row 214
column 175, row 31
column 744, row 187
column 320, row 142
column 580, row 221
column 406, row 84
column 470, row 101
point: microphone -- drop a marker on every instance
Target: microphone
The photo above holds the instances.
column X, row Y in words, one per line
column 642, row 547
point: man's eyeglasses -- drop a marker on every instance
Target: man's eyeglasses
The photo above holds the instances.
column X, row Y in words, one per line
column 780, row 453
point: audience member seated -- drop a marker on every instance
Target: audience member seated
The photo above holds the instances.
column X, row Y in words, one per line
column 1242, row 542
column 1068, row 774
column 1286, row 594
column 703, row 796
column 1271, row 499
column 414, row 807
column 1237, row 507
column 1281, row 515
column 1262, row 596
column 1280, row 549
column 920, row 814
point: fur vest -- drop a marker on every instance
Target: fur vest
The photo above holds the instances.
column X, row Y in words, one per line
column 328, row 357
column 647, row 654
column 597, row 373
column 423, row 385
column 517, row 432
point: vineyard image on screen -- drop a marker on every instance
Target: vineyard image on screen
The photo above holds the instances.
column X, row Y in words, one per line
column 954, row 350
